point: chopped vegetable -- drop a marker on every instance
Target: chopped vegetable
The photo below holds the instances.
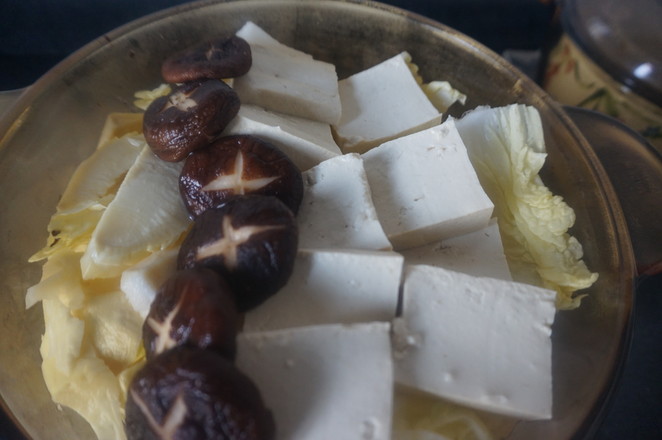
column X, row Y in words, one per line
column 145, row 97
column 90, row 190
column 91, row 345
column 507, row 148
column 145, row 216
column 440, row 93
column 418, row 417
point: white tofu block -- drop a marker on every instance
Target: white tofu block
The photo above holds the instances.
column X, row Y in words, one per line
column 479, row 254
column 480, row 342
column 286, row 80
column 141, row 282
column 425, row 189
column 382, row 103
column 254, row 34
column 337, row 210
column 323, row 382
column 305, row 141
column 328, row 287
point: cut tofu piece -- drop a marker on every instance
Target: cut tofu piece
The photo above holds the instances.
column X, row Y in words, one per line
column 328, row 287
column 382, row 103
column 141, row 282
column 254, row 34
column 425, row 189
column 323, row 382
column 337, row 209
column 480, row 342
column 477, row 253
column 305, row 141
column 286, row 80
column 146, row 215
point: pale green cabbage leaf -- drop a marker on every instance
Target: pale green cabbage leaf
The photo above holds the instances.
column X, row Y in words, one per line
column 440, row 93
column 507, row 149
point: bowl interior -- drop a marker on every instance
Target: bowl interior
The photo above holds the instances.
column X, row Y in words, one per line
column 56, row 124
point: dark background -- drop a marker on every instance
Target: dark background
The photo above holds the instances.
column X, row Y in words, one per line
column 37, row 34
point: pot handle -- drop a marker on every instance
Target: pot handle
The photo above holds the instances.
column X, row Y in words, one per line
column 635, row 170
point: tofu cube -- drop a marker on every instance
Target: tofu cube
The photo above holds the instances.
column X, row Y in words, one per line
column 477, row 253
column 305, row 141
column 480, row 342
column 382, row 103
column 425, row 189
column 337, row 209
column 286, row 80
column 329, row 286
column 323, row 382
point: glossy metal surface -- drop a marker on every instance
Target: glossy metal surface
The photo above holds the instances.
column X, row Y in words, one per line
column 55, row 124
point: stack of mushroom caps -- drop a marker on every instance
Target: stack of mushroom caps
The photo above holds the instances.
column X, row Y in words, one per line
column 242, row 194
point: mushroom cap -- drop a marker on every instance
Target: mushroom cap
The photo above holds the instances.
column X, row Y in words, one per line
column 214, row 59
column 191, row 393
column 193, row 307
column 239, row 165
column 192, row 116
column 251, row 241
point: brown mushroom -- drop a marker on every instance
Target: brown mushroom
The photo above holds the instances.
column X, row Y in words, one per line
column 194, row 307
column 190, row 393
column 250, row 240
column 215, row 59
column 238, row 165
column 190, row 117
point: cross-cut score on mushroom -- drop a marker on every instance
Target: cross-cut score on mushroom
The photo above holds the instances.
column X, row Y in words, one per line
column 163, row 340
column 231, row 239
column 193, row 307
column 236, row 181
column 181, row 100
column 251, row 241
column 192, row 116
column 173, row 419
column 238, row 165
column 192, row 393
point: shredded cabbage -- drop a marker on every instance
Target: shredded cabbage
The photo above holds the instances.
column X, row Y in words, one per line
column 440, row 93
column 91, row 188
column 92, row 344
column 145, row 97
column 420, row 417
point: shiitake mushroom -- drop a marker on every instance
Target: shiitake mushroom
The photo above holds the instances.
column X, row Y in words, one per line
column 238, row 165
column 250, row 240
column 215, row 59
column 193, row 307
column 191, row 117
column 189, row 393
column 189, row 388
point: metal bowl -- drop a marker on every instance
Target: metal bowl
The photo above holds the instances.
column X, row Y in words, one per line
column 56, row 122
